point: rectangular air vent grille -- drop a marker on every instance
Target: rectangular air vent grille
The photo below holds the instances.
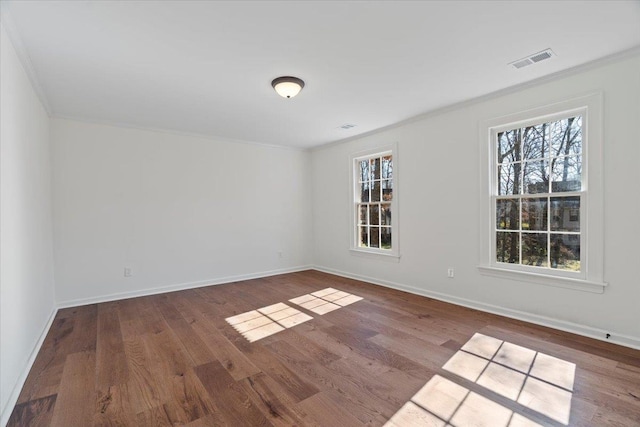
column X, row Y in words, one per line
column 541, row 56
column 523, row 63
column 532, row 59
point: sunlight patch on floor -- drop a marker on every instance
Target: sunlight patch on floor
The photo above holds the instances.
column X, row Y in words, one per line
column 263, row 322
column 443, row 403
column 325, row 300
column 534, row 380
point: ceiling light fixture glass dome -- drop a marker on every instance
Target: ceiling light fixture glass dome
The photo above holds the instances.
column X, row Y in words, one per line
column 287, row 86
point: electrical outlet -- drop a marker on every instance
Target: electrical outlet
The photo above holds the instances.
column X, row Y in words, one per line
column 450, row 273
column 127, row 272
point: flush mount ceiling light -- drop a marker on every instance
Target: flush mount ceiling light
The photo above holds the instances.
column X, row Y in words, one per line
column 287, row 86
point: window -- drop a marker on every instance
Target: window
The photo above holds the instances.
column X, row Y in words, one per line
column 544, row 178
column 374, row 204
column 538, row 194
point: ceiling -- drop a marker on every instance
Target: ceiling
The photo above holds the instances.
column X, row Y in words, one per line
column 206, row 67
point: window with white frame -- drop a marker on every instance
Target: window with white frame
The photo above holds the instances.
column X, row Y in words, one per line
column 374, row 206
column 538, row 194
column 543, row 216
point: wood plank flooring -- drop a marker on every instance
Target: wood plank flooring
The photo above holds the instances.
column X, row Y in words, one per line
column 172, row 359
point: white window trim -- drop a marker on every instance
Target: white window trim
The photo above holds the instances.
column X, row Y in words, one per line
column 591, row 276
column 381, row 254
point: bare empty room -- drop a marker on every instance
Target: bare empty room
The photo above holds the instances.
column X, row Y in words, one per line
column 314, row 213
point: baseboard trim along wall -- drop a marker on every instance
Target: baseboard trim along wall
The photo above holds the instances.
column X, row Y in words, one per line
column 17, row 388
column 599, row 334
column 179, row 287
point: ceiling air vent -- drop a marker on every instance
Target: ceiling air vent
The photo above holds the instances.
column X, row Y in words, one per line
column 541, row 56
column 347, row 126
column 522, row 63
column 532, row 59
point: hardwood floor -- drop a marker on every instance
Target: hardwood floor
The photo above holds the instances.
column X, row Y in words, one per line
column 173, row 359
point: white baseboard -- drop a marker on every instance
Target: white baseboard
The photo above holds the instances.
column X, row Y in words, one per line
column 17, row 388
column 178, row 287
column 599, row 334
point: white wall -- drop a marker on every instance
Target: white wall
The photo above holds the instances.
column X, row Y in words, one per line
column 439, row 200
column 26, row 253
column 177, row 209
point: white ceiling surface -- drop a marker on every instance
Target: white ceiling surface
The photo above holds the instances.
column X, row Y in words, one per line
column 206, row 67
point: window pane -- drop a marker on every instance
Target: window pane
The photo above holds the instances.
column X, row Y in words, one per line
column 534, row 142
column 362, row 217
column 508, row 179
column 565, row 213
column 509, row 146
column 387, row 167
column 536, row 177
column 375, row 191
column 385, row 214
column 507, row 247
column 374, row 216
column 364, row 191
column 534, row 249
column 387, row 190
column 364, row 170
column 363, row 240
column 375, row 168
column 565, row 251
column 507, row 215
column 566, row 136
column 567, row 174
column 534, row 214
column 374, row 237
column 385, row 238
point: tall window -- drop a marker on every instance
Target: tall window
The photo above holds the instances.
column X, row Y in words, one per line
column 374, row 206
column 541, row 220
column 538, row 194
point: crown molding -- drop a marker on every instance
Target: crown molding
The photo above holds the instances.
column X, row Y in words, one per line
column 175, row 132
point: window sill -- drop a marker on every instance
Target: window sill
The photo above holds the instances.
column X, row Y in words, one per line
column 543, row 279
column 391, row 257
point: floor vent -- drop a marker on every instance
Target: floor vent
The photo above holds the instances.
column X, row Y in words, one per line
column 532, row 59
